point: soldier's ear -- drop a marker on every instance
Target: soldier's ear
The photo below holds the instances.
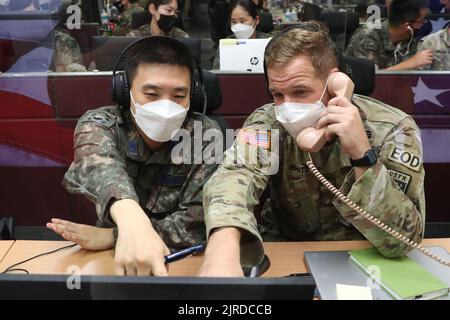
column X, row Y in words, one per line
column 152, row 8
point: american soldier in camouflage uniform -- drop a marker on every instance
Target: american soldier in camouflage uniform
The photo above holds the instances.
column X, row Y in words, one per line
column 112, row 161
column 300, row 208
column 67, row 53
column 144, row 31
column 439, row 42
column 375, row 44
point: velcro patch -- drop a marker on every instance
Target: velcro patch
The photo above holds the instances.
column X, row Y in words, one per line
column 260, row 138
column 402, row 179
column 170, row 181
column 100, row 119
column 405, row 158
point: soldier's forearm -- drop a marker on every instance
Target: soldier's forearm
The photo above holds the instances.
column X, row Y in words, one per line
column 125, row 210
column 224, row 243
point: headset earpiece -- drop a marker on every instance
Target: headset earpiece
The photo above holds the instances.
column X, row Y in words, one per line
column 120, row 89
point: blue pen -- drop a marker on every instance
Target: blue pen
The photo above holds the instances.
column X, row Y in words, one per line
column 184, row 253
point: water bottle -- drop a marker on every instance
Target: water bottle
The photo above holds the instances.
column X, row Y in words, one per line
column 104, row 17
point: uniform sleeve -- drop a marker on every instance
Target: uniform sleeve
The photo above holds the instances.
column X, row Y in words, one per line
column 98, row 169
column 234, row 190
column 366, row 45
column 424, row 45
column 392, row 191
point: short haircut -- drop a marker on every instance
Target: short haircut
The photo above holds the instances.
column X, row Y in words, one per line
column 405, row 10
column 156, row 3
column 158, row 50
column 308, row 38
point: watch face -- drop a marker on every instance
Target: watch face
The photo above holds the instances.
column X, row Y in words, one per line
column 372, row 156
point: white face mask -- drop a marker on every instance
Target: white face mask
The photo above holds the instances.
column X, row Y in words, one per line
column 242, row 31
column 295, row 117
column 159, row 120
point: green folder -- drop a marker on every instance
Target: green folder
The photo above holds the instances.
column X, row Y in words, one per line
column 402, row 278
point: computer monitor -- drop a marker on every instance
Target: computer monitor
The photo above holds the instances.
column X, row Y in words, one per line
column 242, row 54
column 15, row 286
column 106, row 50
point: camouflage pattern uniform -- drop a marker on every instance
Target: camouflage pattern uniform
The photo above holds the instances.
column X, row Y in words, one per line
column 384, row 35
column 300, row 208
column 396, row 53
column 366, row 43
column 402, row 52
column 124, row 23
column 439, row 42
column 112, row 162
column 216, row 62
column 67, row 52
column 144, row 31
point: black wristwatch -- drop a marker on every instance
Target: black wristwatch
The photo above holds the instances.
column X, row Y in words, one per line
column 369, row 159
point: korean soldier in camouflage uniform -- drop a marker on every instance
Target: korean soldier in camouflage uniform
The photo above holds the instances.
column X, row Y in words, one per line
column 406, row 17
column 366, row 43
column 393, row 46
column 134, row 180
column 299, row 62
column 164, row 15
column 124, row 24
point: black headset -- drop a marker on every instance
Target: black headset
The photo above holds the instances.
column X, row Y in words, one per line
column 120, row 86
column 314, row 27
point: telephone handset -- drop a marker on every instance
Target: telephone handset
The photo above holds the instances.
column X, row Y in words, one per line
column 312, row 140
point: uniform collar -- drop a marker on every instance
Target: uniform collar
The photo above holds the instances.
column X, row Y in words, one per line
column 137, row 149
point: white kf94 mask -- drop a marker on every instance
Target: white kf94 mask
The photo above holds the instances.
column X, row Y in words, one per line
column 159, row 120
column 242, row 31
column 295, row 117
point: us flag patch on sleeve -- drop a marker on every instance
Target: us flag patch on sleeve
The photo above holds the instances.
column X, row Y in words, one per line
column 260, row 138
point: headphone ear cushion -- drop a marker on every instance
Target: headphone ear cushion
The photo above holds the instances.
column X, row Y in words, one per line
column 197, row 95
column 121, row 90
column 126, row 91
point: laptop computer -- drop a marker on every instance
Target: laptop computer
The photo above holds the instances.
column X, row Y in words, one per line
column 14, row 286
column 242, row 54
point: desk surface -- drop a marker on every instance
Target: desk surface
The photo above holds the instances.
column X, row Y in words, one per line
column 4, row 247
column 285, row 257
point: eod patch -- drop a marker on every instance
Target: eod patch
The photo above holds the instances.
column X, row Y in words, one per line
column 405, row 158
